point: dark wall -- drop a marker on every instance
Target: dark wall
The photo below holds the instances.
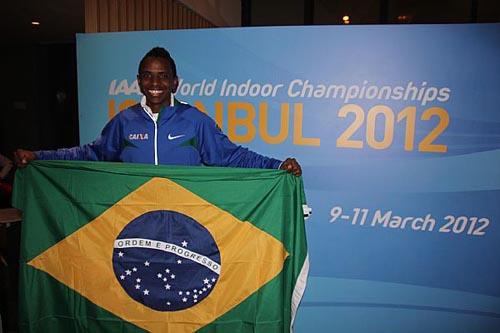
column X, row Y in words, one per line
column 298, row 12
column 40, row 97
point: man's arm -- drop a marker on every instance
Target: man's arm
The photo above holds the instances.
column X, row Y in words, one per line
column 106, row 148
column 216, row 149
column 88, row 152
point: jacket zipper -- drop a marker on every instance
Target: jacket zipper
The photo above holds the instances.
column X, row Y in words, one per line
column 156, row 142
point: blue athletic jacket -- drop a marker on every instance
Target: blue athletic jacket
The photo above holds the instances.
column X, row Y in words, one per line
column 182, row 135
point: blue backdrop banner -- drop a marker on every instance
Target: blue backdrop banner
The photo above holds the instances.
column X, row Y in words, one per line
column 397, row 129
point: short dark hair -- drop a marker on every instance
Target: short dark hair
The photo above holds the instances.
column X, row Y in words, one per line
column 159, row 52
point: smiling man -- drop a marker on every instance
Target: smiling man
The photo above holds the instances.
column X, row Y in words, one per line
column 162, row 130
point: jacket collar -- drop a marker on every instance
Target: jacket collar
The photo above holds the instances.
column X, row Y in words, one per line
column 150, row 113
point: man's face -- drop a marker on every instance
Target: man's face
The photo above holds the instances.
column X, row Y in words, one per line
column 157, row 82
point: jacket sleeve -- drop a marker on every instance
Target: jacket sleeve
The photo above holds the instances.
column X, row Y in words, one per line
column 106, row 148
column 217, row 150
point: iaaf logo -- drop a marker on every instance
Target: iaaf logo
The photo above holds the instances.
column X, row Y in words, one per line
column 123, row 87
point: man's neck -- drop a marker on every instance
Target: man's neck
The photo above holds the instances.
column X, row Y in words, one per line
column 156, row 108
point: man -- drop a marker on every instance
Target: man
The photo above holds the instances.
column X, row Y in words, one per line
column 161, row 130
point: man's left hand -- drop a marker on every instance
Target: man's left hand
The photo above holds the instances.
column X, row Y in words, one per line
column 292, row 166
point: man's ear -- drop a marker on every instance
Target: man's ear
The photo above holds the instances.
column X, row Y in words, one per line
column 176, row 84
column 139, row 83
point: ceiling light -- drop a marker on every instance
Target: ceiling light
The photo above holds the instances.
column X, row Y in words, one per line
column 404, row 18
column 35, row 23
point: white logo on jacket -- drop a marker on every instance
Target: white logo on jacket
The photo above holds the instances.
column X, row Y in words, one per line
column 173, row 137
column 138, row 136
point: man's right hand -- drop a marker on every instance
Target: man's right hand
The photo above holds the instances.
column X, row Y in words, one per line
column 23, row 157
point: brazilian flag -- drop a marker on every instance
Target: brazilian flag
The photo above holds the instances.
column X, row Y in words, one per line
column 131, row 248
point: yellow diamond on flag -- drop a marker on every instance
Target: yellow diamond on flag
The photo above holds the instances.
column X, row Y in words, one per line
column 83, row 261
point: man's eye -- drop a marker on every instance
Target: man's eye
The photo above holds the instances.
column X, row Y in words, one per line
column 149, row 76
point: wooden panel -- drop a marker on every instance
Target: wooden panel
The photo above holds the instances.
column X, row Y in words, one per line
column 91, row 16
column 139, row 15
column 122, row 16
column 178, row 14
column 103, row 15
column 189, row 19
column 193, row 20
column 128, row 15
column 171, row 14
column 113, row 15
column 166, row 14
column 198, row 21
column 152, row 16
column 145, row 14
column 159, row 14
column 184, row 17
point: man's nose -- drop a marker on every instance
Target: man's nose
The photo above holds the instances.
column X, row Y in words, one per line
column 155, row 80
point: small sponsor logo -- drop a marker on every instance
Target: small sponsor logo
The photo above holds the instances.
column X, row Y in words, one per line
column 173, row 137
column 138, row 136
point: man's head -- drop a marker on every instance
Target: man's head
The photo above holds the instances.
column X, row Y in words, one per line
column 157, row 78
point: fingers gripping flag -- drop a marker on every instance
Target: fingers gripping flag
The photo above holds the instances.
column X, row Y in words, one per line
column 114, row 247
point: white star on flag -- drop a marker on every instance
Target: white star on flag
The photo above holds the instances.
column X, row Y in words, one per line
column 120, row 254
column 184, row 243
column 146, row 263
column 128, row 272
column 146, row 292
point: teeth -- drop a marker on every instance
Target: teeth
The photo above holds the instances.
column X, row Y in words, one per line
column 155, row 92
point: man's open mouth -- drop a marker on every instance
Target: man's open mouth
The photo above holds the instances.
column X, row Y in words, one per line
column 155, row 93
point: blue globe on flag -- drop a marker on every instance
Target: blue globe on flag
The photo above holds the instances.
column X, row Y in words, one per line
column 166, row 260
